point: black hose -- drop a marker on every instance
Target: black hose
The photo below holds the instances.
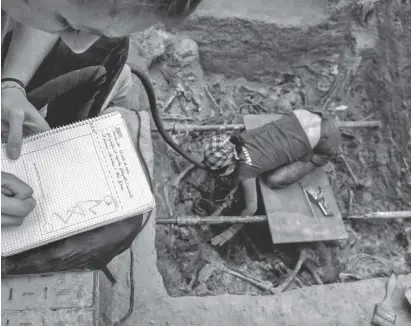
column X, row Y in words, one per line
column 157, row 119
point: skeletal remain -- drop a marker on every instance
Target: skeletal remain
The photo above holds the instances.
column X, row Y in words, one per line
column 356, row 180
column 350, row 200
column 177, row 117
column 346, row 276
column 408, row 236
column 190, row 97
column 170, row 101
column 180, row 177
column 265, row 286
column 213, row 100
column 310, row 267
column 360, row 264
column 305, row 255
column 281, row 266
column 261, row 92
column 167, row 202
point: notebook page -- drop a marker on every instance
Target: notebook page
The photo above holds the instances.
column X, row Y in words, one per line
column 83, row 177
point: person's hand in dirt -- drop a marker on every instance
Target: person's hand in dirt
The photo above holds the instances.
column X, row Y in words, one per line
column 18, row 117
column 250, row 197
column 16, row 200
column 227, row 235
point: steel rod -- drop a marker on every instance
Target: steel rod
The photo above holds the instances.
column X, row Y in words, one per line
column 179, row 127
column 211, row 220
column 216, row 220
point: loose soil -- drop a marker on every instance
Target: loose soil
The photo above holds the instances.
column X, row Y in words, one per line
column 372, row 78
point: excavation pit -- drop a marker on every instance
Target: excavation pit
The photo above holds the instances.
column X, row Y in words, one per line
column 345, row 64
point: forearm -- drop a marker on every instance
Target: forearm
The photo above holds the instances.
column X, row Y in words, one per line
column 26, row 52
column 248, row 211
column 250, row 197
column 289, row 174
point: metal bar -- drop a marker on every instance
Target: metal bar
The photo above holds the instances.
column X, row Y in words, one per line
column 179, row 127
column 383, row 215
column 215, row 220
column 360, row 124
column 211, row 220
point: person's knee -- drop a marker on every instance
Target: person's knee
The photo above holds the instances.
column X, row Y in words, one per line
column 275, row 181
column 125, row 80
column 119, row 94
column 100, row 71
column 250, row 209
column 97, row 74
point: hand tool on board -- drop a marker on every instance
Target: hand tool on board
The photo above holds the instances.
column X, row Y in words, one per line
column 307, row 200
column 319, row 199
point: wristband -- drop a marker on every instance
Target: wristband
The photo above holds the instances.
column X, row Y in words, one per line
column 15, row 80
column 12, row 85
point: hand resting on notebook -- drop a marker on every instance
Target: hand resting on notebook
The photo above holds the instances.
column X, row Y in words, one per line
column 18, row 117
column 16, row 200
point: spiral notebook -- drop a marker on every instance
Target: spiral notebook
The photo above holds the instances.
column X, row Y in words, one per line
column 85, row 175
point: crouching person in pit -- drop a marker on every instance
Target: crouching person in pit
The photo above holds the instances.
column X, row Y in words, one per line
column 282, row 152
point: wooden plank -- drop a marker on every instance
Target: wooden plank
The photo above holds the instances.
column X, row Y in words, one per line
column 289, row 217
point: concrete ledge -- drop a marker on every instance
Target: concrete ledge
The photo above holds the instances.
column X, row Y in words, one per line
column 62, row 317
column 49, row 299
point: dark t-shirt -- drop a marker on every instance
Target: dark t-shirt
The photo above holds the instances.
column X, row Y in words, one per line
column 283, row 142
column 273, row 145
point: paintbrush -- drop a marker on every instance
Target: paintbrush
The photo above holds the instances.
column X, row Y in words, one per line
column 384, row 314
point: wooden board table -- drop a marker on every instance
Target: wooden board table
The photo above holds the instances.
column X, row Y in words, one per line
column 289, row 217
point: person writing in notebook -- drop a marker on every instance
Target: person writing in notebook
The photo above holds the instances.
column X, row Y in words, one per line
column 36, row 27
column 16, row 200
column 281, row 151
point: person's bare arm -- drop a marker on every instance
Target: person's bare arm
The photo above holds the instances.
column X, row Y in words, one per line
column 26, row 52
column 250, row 196
column 251, row 202
column 289, row 174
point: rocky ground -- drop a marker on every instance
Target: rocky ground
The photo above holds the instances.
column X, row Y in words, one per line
column 355, row 64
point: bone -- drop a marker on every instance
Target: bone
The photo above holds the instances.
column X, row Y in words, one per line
column 265, row 286
column 213, row 100
column 356, row 180
column 283, row 268
column 350, row 200
column 170, row 101
column 181, row 176
column 346, row 276
column 167, row 202
column 306, row 254
column 310, row 267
